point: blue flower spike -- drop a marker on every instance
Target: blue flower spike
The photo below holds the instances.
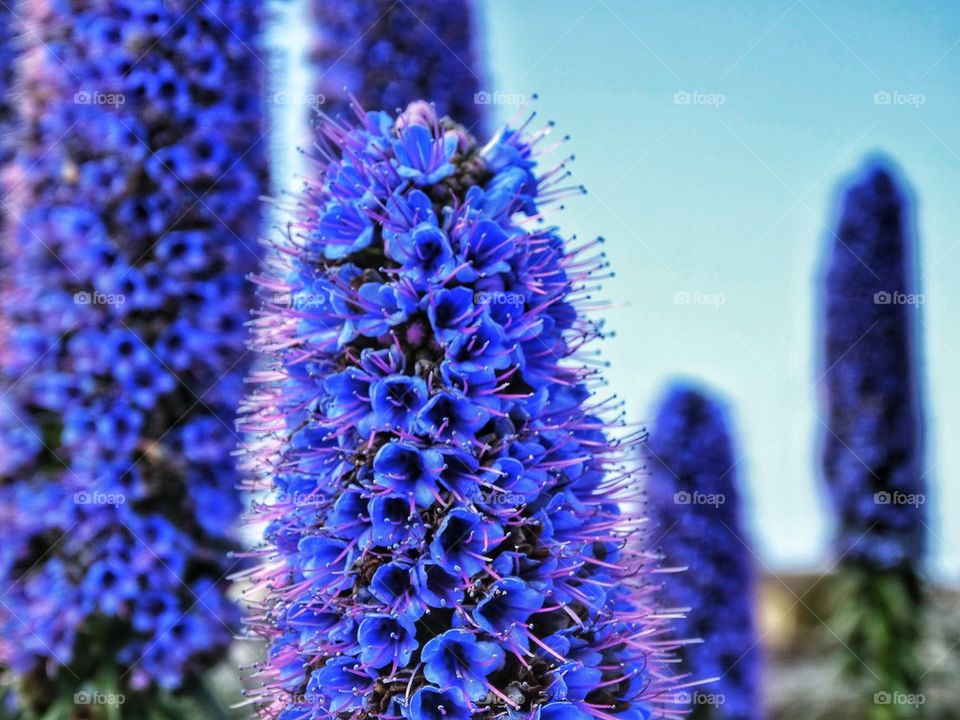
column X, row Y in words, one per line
column 464, row 547
column 133, row 211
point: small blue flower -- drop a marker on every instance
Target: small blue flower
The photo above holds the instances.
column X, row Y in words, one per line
column 325, row 560
column 570, row 711
column 393, row 521
column 436, row 587
column 348, row 392
column 514, row 186
column 154, row 610
column 349, row 517
column 462, row 540
column 385, row 639
column 404, row 213
column 459, row 472
column 396, row 400
column 450, row 416
column 481, row 351
column 423, row 158
column 507, row 475
column 486, row 247
column 430, row 703
column 506, row 609
column 345, row 681
column 393, row 585
column 451, row 312
column 405, row 470
column 425, row 254
column 344, row 229
column 108, row 586
column 386, row 306
column 457, row 659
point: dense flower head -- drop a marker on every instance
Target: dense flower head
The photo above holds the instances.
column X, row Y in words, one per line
column 428, row 453
column 133, row 221
column 695, row 500
column 387, row 52
column 872, row 447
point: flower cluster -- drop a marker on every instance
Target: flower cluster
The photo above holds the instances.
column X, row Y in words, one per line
column 872, row 449
column 133, row 220
column 387, row 52
column 694, row 498
column 444, row 536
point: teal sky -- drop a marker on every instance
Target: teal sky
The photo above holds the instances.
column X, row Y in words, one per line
column 726, row 197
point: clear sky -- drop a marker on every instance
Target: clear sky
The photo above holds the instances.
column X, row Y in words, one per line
column 725, row 197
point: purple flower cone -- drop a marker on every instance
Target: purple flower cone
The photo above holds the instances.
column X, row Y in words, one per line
column 435, row 469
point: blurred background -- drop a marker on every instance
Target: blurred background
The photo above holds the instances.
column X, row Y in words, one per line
column 712, row 143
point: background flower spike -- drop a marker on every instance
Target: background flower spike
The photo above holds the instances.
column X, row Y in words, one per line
column 440, row 479
column 133, row 218
column 695, row 499
column 386, row 52
column 872, row 450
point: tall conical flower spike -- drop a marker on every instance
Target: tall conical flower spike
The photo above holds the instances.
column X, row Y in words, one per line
column 695, row 499
column 441, row 487
column 133, row 218
column 872, row 446
column 386, row 52
column 872, row 450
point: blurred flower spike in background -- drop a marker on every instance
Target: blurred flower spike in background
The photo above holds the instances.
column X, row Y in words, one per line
column 696, row 505
column 132, row 208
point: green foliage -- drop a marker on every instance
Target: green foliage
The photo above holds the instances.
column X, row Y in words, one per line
column 878, row 617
